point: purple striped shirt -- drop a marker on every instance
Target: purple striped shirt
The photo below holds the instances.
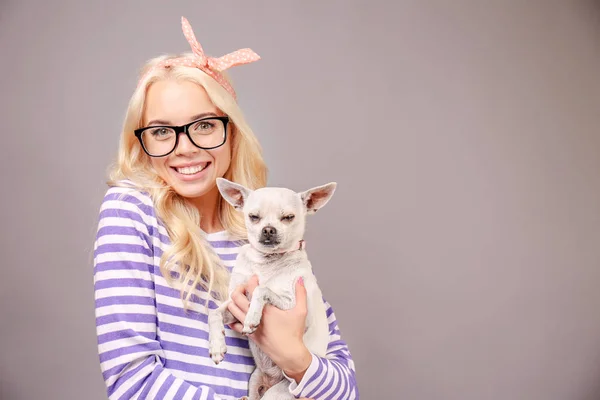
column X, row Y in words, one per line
column 150, row 347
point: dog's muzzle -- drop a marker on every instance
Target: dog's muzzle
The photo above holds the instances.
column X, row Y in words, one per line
column 268, row 236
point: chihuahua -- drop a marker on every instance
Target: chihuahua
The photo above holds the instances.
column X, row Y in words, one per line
column 275, row 221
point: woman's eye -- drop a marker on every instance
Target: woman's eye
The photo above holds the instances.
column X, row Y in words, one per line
column 203, row 126
column 160, row 132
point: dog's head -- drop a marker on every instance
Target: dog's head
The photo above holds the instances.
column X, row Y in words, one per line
column 275, row 217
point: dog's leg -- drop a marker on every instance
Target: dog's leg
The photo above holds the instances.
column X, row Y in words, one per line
column 280, row 391
column 221, row 316
column 255, row 386
column 260, row 384
column 260, row 297
column 254, row 314
column 265, row 375
column 217, row 319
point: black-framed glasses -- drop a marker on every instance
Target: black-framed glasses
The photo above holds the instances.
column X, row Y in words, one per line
column 206, row 133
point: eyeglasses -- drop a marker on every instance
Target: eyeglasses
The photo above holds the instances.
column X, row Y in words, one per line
column 206, row 133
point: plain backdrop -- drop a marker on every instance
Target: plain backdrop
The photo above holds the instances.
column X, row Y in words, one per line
column 461, row 251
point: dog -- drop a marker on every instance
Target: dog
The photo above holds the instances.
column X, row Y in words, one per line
column 275, row 221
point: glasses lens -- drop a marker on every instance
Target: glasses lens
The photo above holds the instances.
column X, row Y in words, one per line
column 158, row 141
column 208, row 133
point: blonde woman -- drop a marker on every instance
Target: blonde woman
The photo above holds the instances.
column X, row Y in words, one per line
column 166, row 242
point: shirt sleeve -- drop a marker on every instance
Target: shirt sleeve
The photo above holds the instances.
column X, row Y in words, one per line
column 131, row 357
column 332, row 377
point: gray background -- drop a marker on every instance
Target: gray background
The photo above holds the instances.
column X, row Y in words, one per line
column 461, row 251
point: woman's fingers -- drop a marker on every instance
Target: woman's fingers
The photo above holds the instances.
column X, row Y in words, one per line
column 236, row 311
column 301, row 305
column 236, row 326
column 239, row 304
column 239, row 298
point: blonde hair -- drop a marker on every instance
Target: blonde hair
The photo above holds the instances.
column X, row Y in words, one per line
column 198, row 264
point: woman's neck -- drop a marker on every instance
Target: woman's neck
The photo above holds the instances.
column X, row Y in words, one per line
column 208, row 206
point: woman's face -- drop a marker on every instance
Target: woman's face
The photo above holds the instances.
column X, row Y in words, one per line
column 189, row 170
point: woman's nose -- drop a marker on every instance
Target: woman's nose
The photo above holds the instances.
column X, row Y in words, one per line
column 185, row 146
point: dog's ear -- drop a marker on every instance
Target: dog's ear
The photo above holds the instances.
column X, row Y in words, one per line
column 317, row 197
column 234, row 193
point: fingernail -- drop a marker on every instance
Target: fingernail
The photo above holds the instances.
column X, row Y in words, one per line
column 301, row 280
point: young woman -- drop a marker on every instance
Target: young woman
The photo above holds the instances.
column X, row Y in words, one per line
column 166, row 242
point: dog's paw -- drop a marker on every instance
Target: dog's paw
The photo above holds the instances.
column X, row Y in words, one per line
column 217, row 350
column 251, row 323
column 249, row 329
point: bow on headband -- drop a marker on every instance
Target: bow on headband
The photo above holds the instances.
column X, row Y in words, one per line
column 212, row 66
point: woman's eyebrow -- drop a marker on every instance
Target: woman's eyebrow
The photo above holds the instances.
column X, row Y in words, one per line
column 193, row 118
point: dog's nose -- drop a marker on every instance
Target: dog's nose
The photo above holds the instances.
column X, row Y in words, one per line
column 269, row 231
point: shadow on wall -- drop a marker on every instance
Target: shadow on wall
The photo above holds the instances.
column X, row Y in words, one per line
column 595, row 391
column 8, row 391
column 594, row 8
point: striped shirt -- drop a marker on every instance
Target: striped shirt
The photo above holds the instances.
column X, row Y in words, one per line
column 150, row 347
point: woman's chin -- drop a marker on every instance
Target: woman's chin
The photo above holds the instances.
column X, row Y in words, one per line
column 191, row 190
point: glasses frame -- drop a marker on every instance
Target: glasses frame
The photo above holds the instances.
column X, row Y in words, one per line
column 182, row 129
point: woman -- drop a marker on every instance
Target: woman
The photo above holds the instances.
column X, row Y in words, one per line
column 183, row 129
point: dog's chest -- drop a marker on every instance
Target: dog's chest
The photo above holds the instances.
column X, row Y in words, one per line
column 270, row 268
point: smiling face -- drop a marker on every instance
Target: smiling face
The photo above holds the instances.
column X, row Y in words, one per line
column 189, row 170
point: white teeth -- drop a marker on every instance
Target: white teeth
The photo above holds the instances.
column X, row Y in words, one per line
column 191, row 170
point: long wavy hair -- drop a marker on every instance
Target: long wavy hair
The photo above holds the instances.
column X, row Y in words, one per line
column 189, row 254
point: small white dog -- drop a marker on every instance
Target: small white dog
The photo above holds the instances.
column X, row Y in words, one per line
column 275, row 221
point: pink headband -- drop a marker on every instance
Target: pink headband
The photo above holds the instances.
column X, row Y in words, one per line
column 212, row 66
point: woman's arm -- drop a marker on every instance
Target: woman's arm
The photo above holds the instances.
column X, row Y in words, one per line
column 332, row 377
column 131, row 357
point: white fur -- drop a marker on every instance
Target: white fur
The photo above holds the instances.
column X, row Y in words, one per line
column 278, row 263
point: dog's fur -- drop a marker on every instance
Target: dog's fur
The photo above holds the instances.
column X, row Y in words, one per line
column 276, row 255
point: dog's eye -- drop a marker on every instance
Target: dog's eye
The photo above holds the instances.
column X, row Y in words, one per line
column 288, row 218
column 253, row 217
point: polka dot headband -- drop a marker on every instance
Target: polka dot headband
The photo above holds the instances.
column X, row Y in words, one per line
column 212, row 66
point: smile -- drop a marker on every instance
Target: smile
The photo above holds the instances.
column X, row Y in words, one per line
column 191, row 170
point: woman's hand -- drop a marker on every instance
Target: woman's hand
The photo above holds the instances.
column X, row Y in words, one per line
column 280, row 333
